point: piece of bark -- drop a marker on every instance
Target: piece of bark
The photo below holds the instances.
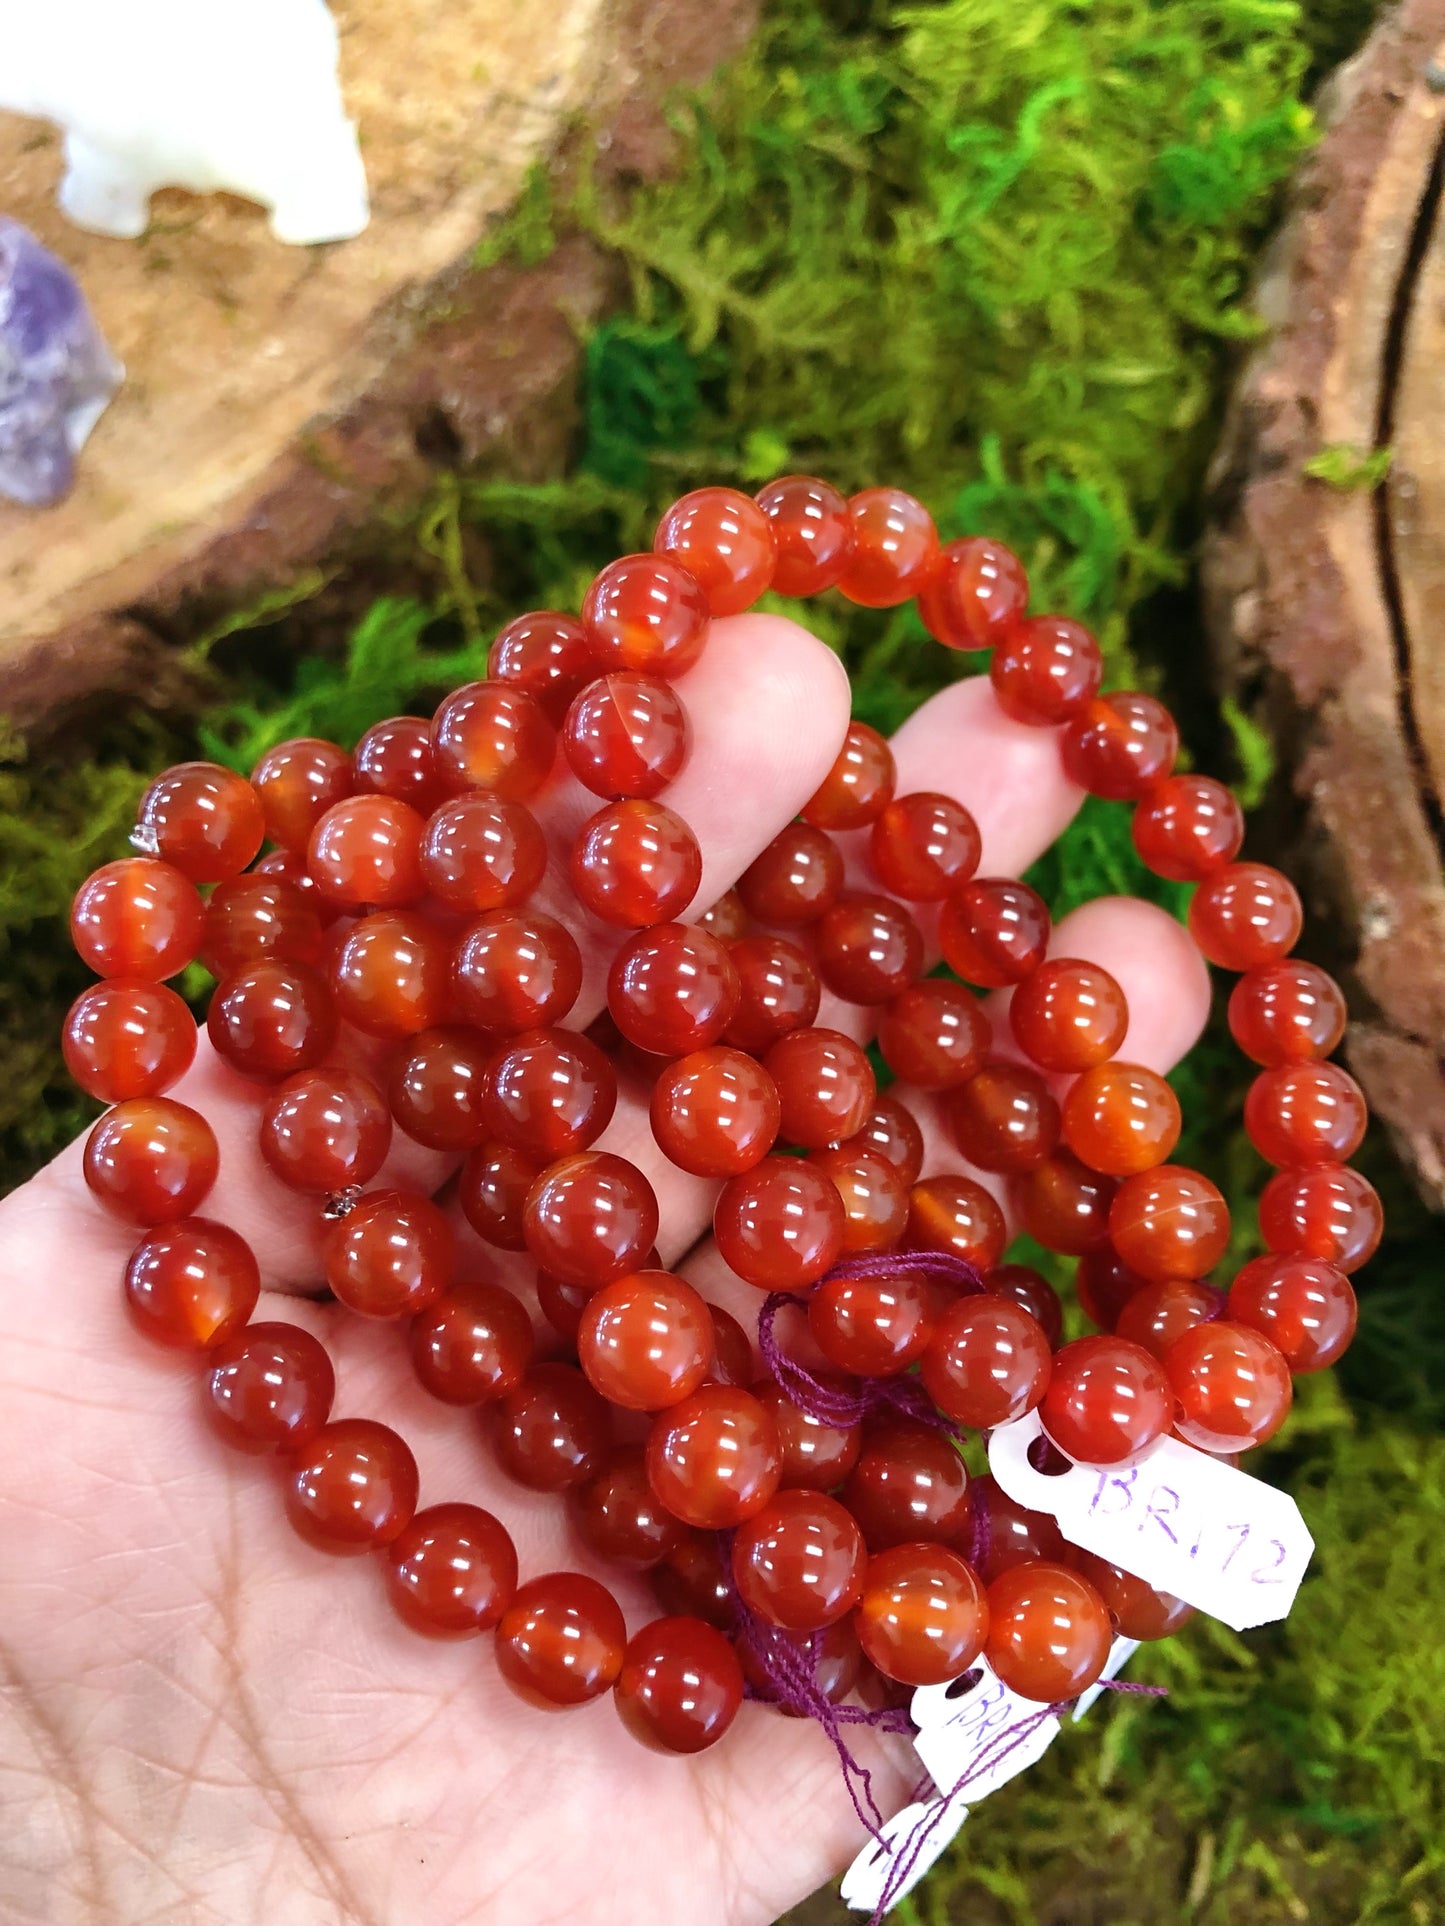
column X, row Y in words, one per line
column 278, row 398
column 1326, row 604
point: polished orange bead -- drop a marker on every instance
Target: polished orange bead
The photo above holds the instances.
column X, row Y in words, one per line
column 267, row 1389
column 869, row 948
column 451, row 1572
column 858, row 787
column 125, row 1040
column 923, row 1616
column 562, row 1304
column 1187, row 827
column 795, row 879
column 591, row 1218
column 891, row 1129
column 1069, row 1015
column 626, row 735
column 645, row 1341
column 1119, row 745
column 635, row 863
column 1303, row 1305
column 1044, row 671
column 726, row 919
column 618, row 1516
column 151, row 1160
column 1245, row 916
column 492, row 1192
column 924, row 846
column 672, row 989
column 798, row 1563
column 713, row 1459
column 976, row 594
column 715, row 1113
column 778, row 991
column 691, row 1580
column 366, row 853
column 1004, row 1118
column 780, row 1225
column 390, row 1256
column 814, row 1456
column 297, row 782
column 394, row 758
column 137, row 918
column 1032, row 1292
column 289, row 866
column 472, row 1344
column 1286, row 1012
column 1169, row 1222
column 957, row 1215
column 874, row 1194
column 551, row 1432
column 1062, row 1204
column 1048, row 1632
column 1107, row 1401
column 680, row 1686
column 483, row 853
column 825, row 1086
column 1231, row 1385
column 874, row 1327
column 561, row 1640
column 1104, row 1284
column 994, row 932
column 391, row 977
column 204, row 820
column 934, row 1035
column 1156, row 1314
column 895, row 548
column 271, row 1021
column 1325, row 1210
column 725, row 543
column 439, row 1089
column 325, row 1130
column 812, row 533
column 1305, row 1113
column 1135, row 1609
column 547, row 656
column 1005, row 1533
column 909, row 1486
column 988, row 1362
column 253, row 919
column 646, row 612
column 352, row 1487
column 732, row 1355
column 191, row 1284
column 1121, row 1118
column 552, row 1093
column 516, row 970
column 494, row 736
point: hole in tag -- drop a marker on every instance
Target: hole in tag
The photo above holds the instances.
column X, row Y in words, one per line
column 1046, row 1458
column 965, row 1683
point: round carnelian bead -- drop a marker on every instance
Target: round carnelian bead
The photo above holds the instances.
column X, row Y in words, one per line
column 779, row 1225
column 137, row 918
column 1069, row 1015
column 1286, row 1012
column 1062, row 1204
column 125, row 1040
column 814, row 1456
column 873, row 1327
column 561, row 1640
column 1119, row 745
column 325, row 1130
column 923, row 1616
column 546, row 656
column 994, row 932
column 895, row 548
column 725, row 543
column 726, row 919
column 289, row 866
column 472, row 1344
column 825, row 1086
column 1107, row 1401
column 1048, row 1632
column 391, row 977
column 1156, row 1314
column 957, row 1215
column 268, row 1389
column 394, row 758
column 204, row 820
column 552, row 1431
column 619, row 1517
column 1303, row 1305
column 1032, row 1292
column 713, row 1459
column 494, row 736
column 553, row 1093
column 875, row 1197
column 646, row 612
column 891, row 1129
column 253, row 919
column 909, row 1486
column 645, row 1341
column 976, row 594
column 934, row 1035
column 390, row 1256
column 516, row 971
column 795, row 879
column 626, row 735
column 812, row 533
column 988, row 1362
column 1245, row 916
column 271, row 1021
column 1135, row 1609
column 151, row 1160
column 562, row 1304
column 483, row 853
column 732, row 1353
column 924, row 846
column 1169, row 1222
column 715, row 1113
column 439, row 1089
column 1231, row 1385
column 1326, row 1210
column 190, row 1285
column 691, row 1580
column 1305, row 1113
column 451, row 1572
column 680, row 1686
column 635, row 863
column 672, row 989
column 352, row 1487
column 366, row 852
column 1045, row 670
column 590, row 1218
column 1104, row 1284
column 778, row 992
column 1005, row 1533
column 1004, row 1118
column 798, row 1563
column 1187, row 827
column 1121, row 1118
column 297, row 782
column 492, row 1192
column 869, row 949
column 858, row 787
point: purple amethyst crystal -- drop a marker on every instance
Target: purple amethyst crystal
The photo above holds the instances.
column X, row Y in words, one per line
column 56, row 373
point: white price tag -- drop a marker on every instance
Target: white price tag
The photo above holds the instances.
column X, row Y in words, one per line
column 868, row 1876
column 1179, row 1519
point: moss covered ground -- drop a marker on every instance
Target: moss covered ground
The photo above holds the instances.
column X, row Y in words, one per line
column 999, row 248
